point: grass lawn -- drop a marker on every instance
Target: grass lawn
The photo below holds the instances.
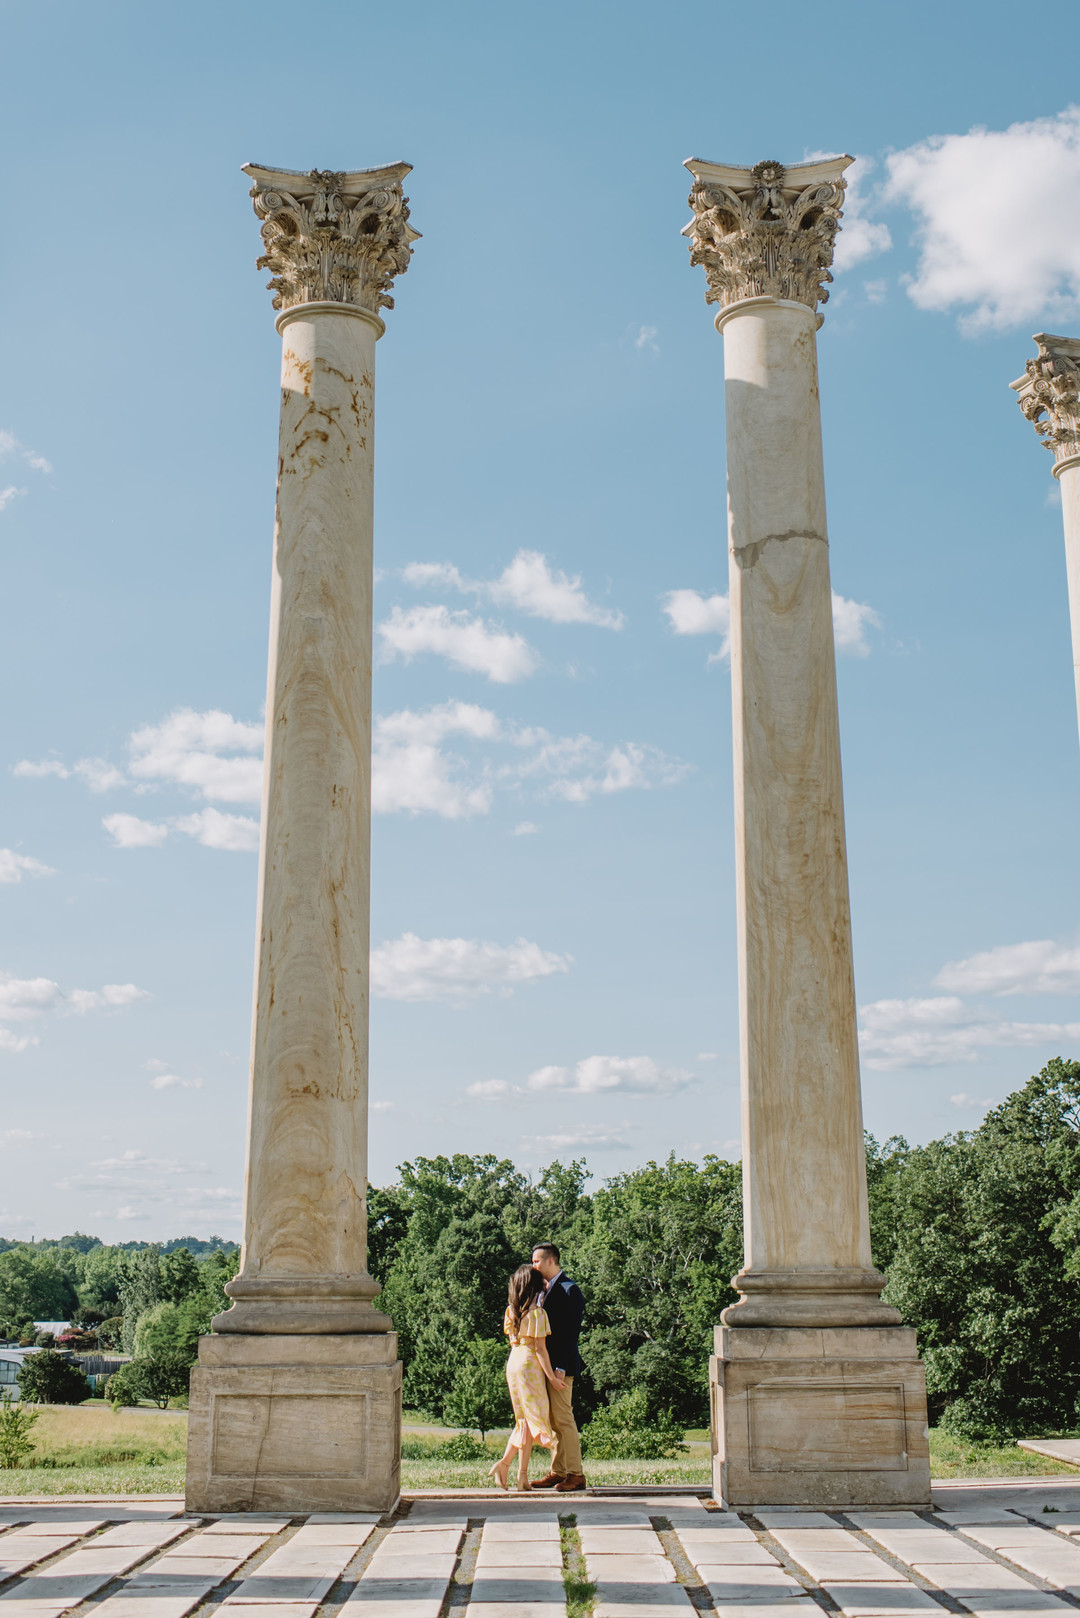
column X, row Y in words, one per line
column 92, row 1449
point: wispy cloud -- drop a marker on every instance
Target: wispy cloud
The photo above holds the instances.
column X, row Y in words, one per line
column 528, row 584
column 458, row 969
column 466, row 642
column 13, row 867
column 412, row 770
column 1039, row 966
column 611, row 1075
column 27, row 999
column 937, row 1031
column 172, row 1081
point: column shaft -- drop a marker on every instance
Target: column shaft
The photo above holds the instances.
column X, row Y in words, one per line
column 1069, row 481
column 305, row 1224
column 807, row 1226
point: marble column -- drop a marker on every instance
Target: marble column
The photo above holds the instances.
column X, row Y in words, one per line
column 296, row 1398
column 818, row 1391
column 1049, row 395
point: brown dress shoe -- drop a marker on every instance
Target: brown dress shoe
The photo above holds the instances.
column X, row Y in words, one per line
column 570, row 1484
column 552, row 1480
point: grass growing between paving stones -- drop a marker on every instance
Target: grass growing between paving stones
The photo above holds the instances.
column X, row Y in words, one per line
column 580, row 1590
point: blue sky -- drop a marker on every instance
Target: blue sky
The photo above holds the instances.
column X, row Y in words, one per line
column 550, row 467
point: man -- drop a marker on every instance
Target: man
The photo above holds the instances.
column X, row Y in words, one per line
column 565, row 1311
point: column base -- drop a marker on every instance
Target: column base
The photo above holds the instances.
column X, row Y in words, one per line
column 829, row 1418
column 294, row 1423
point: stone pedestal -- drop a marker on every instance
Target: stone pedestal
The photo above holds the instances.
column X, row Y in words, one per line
column 825, row 1418
column 817, row 1392
column 295, row 1423
column 295, row 1403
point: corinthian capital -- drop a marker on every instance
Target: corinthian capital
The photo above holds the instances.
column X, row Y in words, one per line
column 333, row 238
column 768, row 231
column 1049, row 394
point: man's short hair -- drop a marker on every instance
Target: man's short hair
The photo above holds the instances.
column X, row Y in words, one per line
column 547, row 1247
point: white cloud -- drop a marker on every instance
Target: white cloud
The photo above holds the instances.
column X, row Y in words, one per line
column 16, row 1137
column 466, row 642
column 457, row 969
column 23, row 999
column 690, row 613
column 876, row 291
column 596, row 1139
column 580, row 767
column 646, row 338
column 694, row 614
column 12, row 449
column 8, row 495
column 172, row 1081
column 610, row 1075
column 381, row 1106
column 964, row 1100
column 850, row 622
column 527, row 584
column 212, row 829
column 13, row 867
column 113, row 994
column 994, row 232
column 525, row 828
column 1037, row 967
column 409, row 770
column 209, row 752
column 488, row 1090
column 708, row 1056
column 98, row 773
column 128, row 831
column 41, row 767
column 937, row 1031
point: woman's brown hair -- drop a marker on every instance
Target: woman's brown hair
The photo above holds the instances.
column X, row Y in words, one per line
column 526, row 1285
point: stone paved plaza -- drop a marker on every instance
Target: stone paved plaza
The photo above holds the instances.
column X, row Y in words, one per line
column 994, row 1548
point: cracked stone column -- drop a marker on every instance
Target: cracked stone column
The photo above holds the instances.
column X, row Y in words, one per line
column 296, row 1399
column 1049, row 395
column 819, row 1396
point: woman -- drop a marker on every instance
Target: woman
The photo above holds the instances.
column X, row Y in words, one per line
column 526, row 1325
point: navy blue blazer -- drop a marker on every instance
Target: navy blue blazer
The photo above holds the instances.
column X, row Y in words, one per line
column 565, row 1308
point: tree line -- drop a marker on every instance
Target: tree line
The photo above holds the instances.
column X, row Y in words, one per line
column 977, row 1234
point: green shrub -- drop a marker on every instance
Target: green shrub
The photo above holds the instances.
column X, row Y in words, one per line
column 16, row 1445
column 46, row 1378
column 462, row 1447
column 122, row 1389
column 162, row 1377
column 624, row 1431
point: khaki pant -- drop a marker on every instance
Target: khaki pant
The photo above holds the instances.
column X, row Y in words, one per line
column 566, row 1456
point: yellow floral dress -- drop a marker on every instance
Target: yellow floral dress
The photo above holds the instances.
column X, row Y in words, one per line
column 527, row 1382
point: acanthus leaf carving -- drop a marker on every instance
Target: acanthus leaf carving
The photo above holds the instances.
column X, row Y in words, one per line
column 1049, row 394
column 768, row 231
column 333, row 237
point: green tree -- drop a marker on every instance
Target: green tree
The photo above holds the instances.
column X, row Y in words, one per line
column 180, row 1276
column 982, row 1221
column 16, row 1422
column 46, row 1378
column 479, row 1396
column 655, row 1265
column 140, row 1285
column 34, row 1286
column 161, row 1377
column 100, row 1286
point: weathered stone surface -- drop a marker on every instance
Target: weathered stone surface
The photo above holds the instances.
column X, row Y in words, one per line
column 523, row 1553
column 604, row 1541
column 879, row 1600
column 289, row 1421
column 613, row 1572
column 542, row 1529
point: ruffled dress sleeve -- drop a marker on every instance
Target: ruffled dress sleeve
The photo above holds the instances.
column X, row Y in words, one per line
column 506, row 1324
column 536, row 1324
